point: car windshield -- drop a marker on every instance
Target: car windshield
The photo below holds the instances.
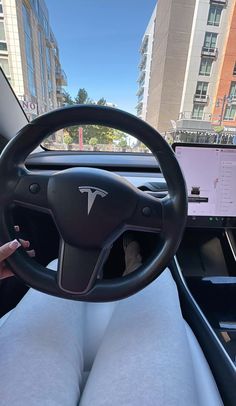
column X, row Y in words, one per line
column 170, row 62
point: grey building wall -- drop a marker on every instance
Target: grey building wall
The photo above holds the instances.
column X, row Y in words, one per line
column 170, row 51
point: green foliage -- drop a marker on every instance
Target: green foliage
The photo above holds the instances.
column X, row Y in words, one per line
column 102, row 102
column 103, row 135
column 82, row 97
column 93, row 141
column 68, row 101
column 123, row 143
column 68, row 139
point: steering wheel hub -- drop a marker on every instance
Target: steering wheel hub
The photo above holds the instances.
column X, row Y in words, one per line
column 90, row 205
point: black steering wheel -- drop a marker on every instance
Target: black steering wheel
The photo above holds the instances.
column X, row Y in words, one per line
column 91, row 208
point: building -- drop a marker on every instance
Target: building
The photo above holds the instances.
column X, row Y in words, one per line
column 29, row 55
column 193, row 59
column 224, row 104
column 145, row 67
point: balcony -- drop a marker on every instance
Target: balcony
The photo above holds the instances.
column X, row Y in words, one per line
column 201, row 98
column 140, row 91
column 220, row 2
column 144, row 45
column 143, row 62
column 61, row 78
column 210, row 51
column 141, row 77
column 139, row 108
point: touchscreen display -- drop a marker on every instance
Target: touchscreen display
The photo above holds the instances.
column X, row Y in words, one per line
column 210, row 174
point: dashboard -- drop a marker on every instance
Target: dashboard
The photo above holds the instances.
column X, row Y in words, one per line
column 209, row 170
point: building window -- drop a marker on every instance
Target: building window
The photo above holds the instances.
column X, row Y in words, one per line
column 5, row 67
column 1, row 10
column 197, row 113
column 214, row 14
column 201, row 90
column 232, row 92
column 210, row 40
column 230, row 112
column 3, row 44
column 234, row 71
column 205, row 66
column 28, row 50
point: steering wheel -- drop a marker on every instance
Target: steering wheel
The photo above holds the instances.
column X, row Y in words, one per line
column 91, row 208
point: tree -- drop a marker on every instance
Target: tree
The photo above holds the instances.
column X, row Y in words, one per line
column 103, row 135
column 68, row 99
column 93, row 142
column 82, row 97
column 102, row 102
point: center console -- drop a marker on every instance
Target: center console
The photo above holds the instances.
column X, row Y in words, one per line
column 207, row 254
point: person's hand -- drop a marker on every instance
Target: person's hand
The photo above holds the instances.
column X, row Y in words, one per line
column 7, row 250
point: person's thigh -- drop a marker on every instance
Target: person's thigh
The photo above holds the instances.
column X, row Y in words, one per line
column 41, row 352
column 144, row 358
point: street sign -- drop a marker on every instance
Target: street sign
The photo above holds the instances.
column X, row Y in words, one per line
column 29, row 107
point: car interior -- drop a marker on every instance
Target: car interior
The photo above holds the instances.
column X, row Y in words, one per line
column 149, row 189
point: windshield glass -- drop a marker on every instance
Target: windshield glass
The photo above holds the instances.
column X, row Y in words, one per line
column 170, row 62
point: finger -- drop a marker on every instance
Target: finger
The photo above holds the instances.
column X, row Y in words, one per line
column 31, row 253
column 25, row 244
column 7, row 249
column 17, row 229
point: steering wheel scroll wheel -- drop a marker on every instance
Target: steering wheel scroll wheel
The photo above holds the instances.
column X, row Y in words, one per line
column 91, row 208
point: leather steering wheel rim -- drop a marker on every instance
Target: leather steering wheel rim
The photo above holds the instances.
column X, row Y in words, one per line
column 86, row 236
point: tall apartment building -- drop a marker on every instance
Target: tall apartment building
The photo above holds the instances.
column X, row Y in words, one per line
column 29, row 55
column 191, row 77
column 145, row 67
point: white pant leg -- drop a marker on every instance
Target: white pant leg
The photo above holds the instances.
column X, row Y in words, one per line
column 145, row 356
column 41, row 346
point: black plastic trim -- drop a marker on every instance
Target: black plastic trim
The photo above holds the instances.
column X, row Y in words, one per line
column 223, row 369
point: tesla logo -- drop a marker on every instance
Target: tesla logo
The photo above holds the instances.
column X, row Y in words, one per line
column 93, row 192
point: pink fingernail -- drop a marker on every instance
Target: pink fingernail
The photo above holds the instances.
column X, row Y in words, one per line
column 14, row 244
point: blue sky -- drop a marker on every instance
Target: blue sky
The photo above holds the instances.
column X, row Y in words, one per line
column 99, row 44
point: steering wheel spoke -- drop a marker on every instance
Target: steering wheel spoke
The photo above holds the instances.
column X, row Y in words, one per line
column 78, row 268
column 31, row 191
column 148, row 214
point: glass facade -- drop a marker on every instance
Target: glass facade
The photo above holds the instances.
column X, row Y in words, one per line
column 49, row 77
column 42, row 65
column 28, row 50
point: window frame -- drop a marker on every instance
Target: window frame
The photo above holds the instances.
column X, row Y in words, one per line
column 230, row 107
column 203, row 88
column 199, row 107
column 234, row 70
column 217, row 7
column 209, row 63
column 232, row 90
column 212, row 35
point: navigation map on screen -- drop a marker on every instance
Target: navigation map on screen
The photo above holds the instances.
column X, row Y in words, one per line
column 210, row 174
